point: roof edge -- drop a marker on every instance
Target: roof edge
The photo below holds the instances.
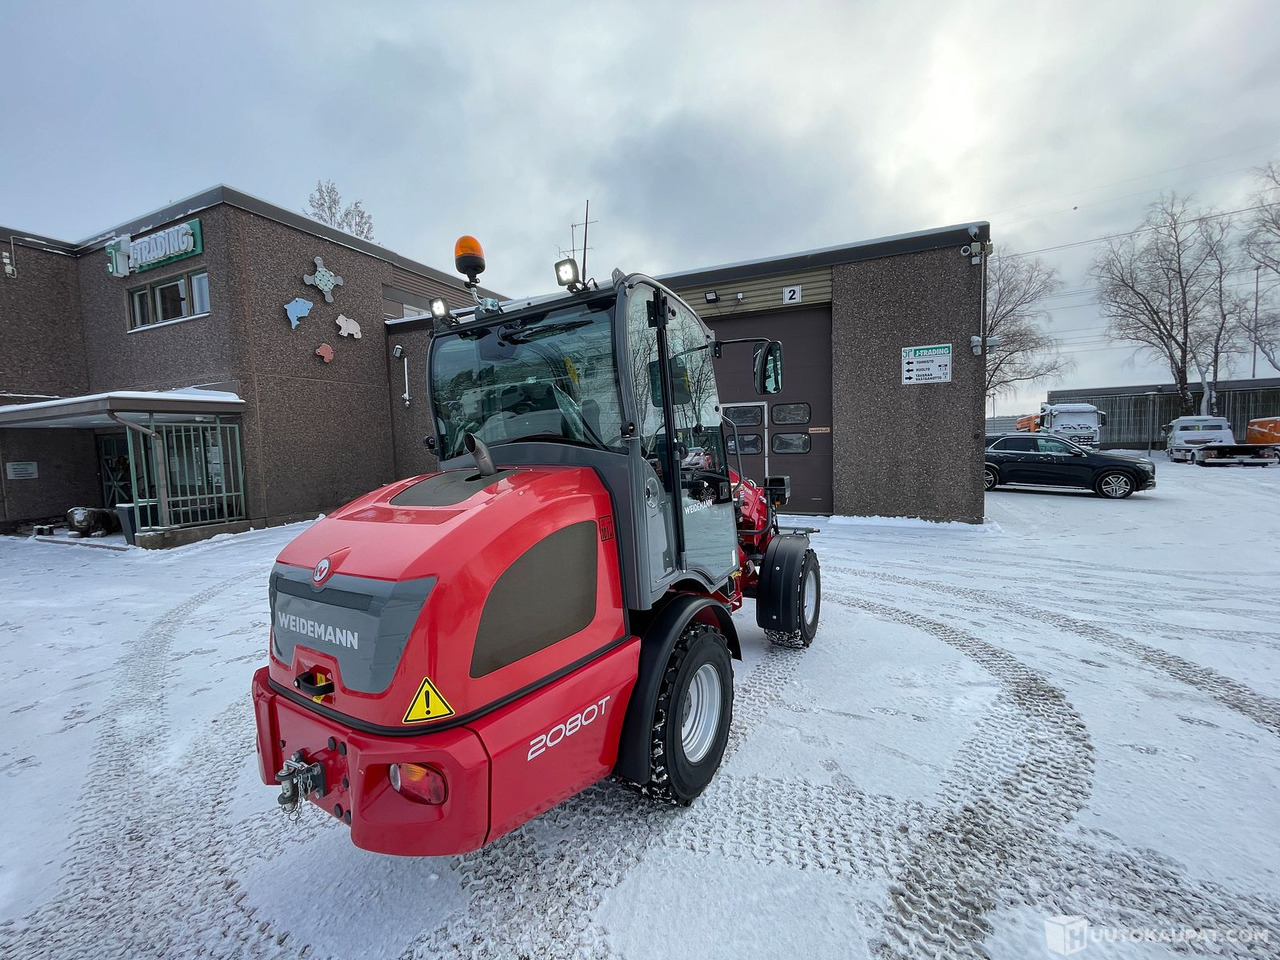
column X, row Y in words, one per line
column 915, row 242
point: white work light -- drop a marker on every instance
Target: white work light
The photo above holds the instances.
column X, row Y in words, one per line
column 439, row 309
column 567, row 273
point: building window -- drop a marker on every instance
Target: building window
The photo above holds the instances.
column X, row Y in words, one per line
column 744, row 416
column 791, row 413
column 174, row 298
column 790, row 442
column 751, row 444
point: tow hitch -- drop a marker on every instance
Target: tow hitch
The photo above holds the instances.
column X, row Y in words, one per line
column 298, row 780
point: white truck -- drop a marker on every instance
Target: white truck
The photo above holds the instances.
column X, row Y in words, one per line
column 1080, row 423
column 1209, row 442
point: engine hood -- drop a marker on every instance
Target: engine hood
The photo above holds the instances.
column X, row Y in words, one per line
column 386, row 596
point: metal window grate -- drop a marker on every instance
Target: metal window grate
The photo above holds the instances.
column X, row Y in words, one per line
column 187, row 474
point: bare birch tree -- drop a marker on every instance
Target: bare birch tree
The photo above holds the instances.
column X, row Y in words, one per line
column 1262, row 247
column 1155, row 288
column 1024, row 352
column 325, row 205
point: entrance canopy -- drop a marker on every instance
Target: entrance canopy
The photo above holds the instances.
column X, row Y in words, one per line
column 188, row 405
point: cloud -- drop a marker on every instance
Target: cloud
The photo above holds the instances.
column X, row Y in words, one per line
column 702, row 133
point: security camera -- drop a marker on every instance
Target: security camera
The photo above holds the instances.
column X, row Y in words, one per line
column 973, row 231
column 397, row 351
column 968, row 250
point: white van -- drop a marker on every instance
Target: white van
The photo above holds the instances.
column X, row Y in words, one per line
column 1187, row 433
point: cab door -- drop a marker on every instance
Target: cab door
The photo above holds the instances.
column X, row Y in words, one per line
column 681, row 464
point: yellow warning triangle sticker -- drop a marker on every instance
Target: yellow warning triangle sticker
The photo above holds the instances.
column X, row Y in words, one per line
column 427, row 704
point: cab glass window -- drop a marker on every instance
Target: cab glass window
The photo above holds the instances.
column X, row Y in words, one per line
column 543, row 377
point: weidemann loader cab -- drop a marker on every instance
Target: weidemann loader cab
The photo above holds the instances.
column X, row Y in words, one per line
column 453, row 654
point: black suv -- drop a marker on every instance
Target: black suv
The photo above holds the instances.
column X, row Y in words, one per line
column 1055, row 462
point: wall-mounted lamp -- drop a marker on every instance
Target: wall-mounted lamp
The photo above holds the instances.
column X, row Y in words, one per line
column 398, row 352
column 976, row 344
column 712, row 296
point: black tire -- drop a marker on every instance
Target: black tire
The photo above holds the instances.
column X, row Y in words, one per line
column 990, row 479
column 808, row 583
column 1115, row 485
column 676, row 777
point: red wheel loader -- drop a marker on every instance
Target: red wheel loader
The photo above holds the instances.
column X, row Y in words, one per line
column 453, row 654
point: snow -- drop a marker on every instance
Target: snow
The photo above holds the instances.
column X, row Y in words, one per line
column 194, row 394
column 1072, row 709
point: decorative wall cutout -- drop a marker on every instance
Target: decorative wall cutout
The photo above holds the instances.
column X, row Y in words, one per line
column 347, row 327
column 325, row 352
column 323, row 280
column 297, row 308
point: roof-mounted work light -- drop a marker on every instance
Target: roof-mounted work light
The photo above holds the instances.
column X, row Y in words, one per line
column 439, row 309
column 567, row 273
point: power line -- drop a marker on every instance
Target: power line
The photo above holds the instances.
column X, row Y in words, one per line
column 1131, row 233
column 1142, row 176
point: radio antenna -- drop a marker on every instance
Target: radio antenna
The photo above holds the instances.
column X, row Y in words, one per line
column 573, row 230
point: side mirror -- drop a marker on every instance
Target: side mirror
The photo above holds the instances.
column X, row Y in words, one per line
column 768, row 367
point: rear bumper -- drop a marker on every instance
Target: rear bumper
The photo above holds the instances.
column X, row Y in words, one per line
column 358, row 790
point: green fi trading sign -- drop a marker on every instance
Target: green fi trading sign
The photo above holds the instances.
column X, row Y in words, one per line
column 126, row 255
column 931, row 364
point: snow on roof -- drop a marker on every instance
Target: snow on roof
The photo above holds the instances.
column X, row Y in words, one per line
column 194, row 394
column 1072, row 407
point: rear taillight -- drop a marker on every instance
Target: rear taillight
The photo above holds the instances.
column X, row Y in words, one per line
column 418, row 783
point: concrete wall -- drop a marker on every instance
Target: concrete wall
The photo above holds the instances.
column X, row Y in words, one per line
column 163, row 356
column 42, row 348
column 68, row 465
column 924, row 457
column 318, row 434
column 409, row 425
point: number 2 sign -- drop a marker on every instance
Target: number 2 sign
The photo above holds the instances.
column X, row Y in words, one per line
column 791, row 294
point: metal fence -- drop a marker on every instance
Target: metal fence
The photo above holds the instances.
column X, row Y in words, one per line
column 1135, row 419
column 185, row 474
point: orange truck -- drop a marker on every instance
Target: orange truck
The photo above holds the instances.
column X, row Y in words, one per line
column 1263, row 430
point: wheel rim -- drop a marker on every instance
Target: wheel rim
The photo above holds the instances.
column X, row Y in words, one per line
column 988, row 479
column 701, row 714
column 1115, row 485
column 810, row 595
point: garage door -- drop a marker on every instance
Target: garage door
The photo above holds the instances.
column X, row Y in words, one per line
column 789, row 433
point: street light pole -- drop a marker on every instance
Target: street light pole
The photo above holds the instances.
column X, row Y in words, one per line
column 1256, row 272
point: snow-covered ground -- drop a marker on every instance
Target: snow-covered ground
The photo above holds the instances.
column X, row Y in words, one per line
column 1071, row 711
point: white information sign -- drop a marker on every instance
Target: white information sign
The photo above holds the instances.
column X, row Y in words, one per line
column 791, row 294
column 931, row 364
column 22, row 470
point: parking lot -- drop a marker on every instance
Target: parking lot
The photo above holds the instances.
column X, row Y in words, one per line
column 1073, row 710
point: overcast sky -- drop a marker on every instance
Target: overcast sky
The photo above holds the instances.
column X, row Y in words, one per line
column 702, row 133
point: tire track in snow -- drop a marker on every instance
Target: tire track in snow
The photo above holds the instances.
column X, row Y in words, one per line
column 1016, row 783
column 141, row 853
column 535, row 892
column 1232, row 694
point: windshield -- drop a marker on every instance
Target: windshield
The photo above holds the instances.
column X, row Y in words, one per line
column 549, row 376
